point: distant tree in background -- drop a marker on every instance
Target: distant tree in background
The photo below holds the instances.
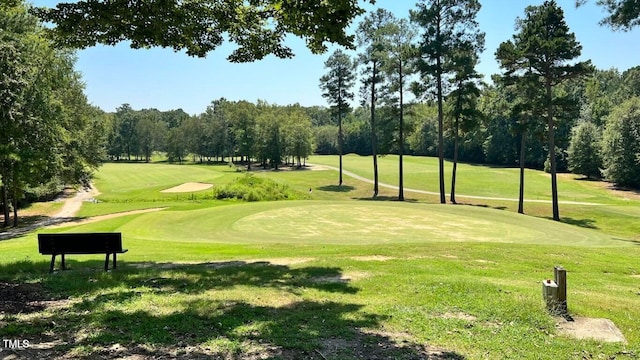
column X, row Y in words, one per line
column 337, row 87
column 621, row 144
column 243, row 119
column 585, row 151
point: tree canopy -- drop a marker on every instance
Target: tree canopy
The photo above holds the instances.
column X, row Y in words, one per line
column 258, row 27
column 623, row 14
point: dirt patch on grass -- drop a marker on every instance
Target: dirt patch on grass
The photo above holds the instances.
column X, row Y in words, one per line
column 222, row 264
column 188, row 187
column 593, row 329
column 373, row 258
column 458, row 316
column 481, row 261
column 344, row 278
column 23, row 298
column 283, row 261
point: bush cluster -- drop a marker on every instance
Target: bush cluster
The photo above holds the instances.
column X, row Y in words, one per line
column 251, row 188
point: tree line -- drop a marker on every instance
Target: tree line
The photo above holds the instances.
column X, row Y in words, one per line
column 234, row 131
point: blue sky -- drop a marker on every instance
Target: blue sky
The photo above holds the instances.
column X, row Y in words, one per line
column 162, row 79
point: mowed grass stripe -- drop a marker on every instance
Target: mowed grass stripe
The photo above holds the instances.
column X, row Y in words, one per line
column 476, row 180
column 349, row 223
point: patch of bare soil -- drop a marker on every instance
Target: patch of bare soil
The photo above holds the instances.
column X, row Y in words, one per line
column 23, row 298
column 221, row 265
column 594, row 329
column 188, row 187
column 459, row 316
column 72, row 204
column 372, row 258
column 381, row 345
column 344, row 278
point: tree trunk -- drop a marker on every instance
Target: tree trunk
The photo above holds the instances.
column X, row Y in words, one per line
column 15, row 209
column 443, row 200
column 374, row 140
column 522, row 150
column 340, row 142
column 455, row 164
column 5, row 205
column 552, row 152
column 401, row 142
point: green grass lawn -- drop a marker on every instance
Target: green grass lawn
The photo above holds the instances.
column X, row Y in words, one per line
column 334, row 277
column 614, row 215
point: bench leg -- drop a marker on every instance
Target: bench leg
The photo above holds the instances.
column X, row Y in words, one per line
column 53, row 262
column 64, row 266
column 114, row 261
column 106, row 263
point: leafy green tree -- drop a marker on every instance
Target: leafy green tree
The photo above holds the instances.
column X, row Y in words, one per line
column 269, row 136
column 424, row 137
column 336, row 86
column 326, row 139
column 542, row 48
column 259, row 27
column 125, row 137
column 623, row 14
column 602, row 91
column 43, row 112
column 621, row 144
column 297, row 134
column 176, row 144
column 243, row 115
column 630, row 85
column 146, row 130
column 319, row 115
column 371, row 35
column 584, row 150
column 448, row 26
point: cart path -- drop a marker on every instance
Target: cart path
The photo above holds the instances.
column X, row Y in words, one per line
column 389, row 186
column 67, row 215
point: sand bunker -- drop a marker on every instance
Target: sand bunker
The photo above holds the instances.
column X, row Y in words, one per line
column 188, row 187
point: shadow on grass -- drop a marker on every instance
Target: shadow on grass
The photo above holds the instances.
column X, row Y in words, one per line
column 337, row 188
column 227, row 310
column 583, row 223
column 28, row 224
column 634, row 242
column 387, row 198
column 480, row 205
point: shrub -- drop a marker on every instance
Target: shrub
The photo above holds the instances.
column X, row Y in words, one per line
column 252, row 188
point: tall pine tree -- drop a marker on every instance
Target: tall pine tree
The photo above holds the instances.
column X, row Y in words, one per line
column 336, row 87
column 541, row 51
column 448, row 26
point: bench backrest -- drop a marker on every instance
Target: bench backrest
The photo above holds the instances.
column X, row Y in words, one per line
column 79, row 243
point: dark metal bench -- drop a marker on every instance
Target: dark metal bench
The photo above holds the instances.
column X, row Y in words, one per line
column 81, row 243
